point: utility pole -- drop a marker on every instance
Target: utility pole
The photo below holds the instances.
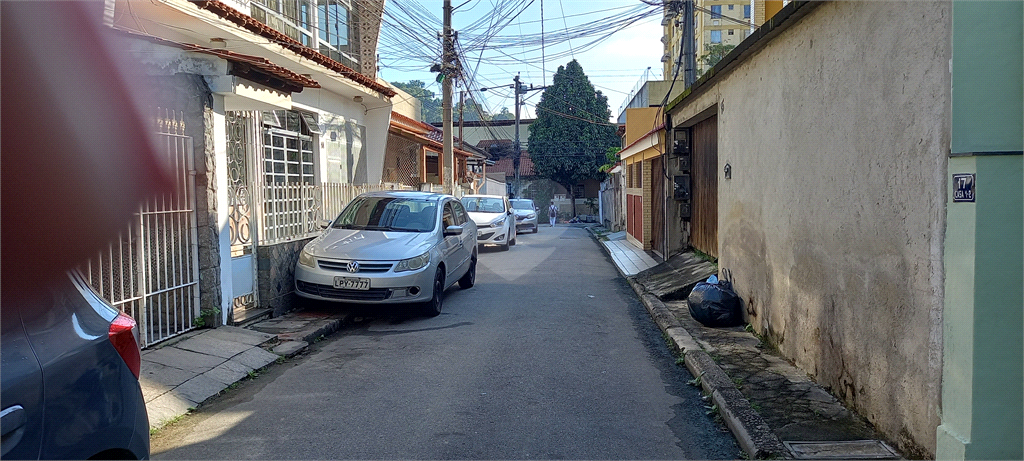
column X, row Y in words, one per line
column 517, row 89
column 448, row 55
column 462, row 116
column 516, row 148
column 689, row 44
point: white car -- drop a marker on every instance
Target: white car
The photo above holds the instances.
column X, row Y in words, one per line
column 526, row 214
column 391, row 247
column 495, row 221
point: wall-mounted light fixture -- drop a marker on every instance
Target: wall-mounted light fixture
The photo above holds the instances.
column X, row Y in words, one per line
column 358, row 99
column 728, row 171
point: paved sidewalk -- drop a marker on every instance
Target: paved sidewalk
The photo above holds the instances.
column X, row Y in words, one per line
column 182, row 373
column 628, row 258
column 772, row 407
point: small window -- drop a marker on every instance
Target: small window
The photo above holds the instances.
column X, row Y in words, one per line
column 460, row 213
column 730, row 7
column 270, row 119
column 716, row 36
column 314, row 127
column 730, row 31
column 448, row 218
column 746, row 11
column 716, row 11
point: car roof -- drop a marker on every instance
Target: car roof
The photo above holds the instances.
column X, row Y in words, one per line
column 482, row 196
column 412, row 194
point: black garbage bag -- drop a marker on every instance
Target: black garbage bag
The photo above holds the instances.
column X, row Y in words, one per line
column 715, row 304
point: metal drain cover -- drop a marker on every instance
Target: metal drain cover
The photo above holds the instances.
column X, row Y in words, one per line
column 851, row 449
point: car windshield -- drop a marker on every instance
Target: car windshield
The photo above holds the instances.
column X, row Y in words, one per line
column 522, row 204
column 388, row 214
column 484, row 204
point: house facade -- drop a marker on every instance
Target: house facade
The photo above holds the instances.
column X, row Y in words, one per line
column 842, row 197
column 643, row 167
column 274, row 119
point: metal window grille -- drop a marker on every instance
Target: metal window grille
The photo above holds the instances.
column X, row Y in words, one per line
column 402, row 162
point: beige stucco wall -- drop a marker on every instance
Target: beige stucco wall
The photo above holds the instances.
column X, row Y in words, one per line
column 838, row 133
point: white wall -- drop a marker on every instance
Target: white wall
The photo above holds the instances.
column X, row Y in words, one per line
column 347, row 154
column 838, row 133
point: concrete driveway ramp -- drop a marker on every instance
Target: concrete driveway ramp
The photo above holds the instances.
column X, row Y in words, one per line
column 850, row 449
column 675, row 278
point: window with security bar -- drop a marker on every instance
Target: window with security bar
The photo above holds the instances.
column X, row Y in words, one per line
column 288, row 148
column 291, row 197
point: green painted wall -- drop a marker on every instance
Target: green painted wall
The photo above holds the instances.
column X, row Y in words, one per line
column 986, row 68
column 983, row 343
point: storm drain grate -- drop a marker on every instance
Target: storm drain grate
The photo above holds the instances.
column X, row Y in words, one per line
column 851, row 449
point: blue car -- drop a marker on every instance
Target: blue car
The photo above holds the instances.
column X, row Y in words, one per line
column 69, row 383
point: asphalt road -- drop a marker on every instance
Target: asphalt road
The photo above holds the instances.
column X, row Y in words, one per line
column 549, row 356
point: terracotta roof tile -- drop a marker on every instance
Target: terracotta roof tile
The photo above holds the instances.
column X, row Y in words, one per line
column 252, row 25
column 504, row 165
column 298, row 81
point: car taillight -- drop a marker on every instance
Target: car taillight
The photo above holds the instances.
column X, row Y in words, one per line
column 122, row 336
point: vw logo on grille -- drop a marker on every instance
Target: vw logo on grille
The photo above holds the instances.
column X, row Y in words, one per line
column 353, row 266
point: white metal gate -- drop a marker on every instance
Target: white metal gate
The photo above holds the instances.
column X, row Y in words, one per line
column 152, row 270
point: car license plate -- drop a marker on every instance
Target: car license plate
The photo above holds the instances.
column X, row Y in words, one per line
column 352, row 283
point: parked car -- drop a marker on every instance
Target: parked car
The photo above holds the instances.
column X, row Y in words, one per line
column 391, row 247
column 494, row 219
column 70, row 377
column 526, row 214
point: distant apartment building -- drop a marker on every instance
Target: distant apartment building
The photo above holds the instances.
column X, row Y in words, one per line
column 716, row 22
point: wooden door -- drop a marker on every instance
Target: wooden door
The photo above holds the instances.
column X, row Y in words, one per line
column 658, row 205
column 705, row 186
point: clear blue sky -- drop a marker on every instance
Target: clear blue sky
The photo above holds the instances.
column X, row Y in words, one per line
column 500, row 38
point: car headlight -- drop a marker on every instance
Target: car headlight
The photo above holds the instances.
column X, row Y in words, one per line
column 497, row 223
column 411, row 264
column 531, row 215
column 306, row 258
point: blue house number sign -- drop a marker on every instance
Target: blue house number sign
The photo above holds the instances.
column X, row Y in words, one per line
column 963, row 187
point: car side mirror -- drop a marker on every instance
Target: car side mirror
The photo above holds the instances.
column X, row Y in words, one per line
column 452, row 230
column 324, row 223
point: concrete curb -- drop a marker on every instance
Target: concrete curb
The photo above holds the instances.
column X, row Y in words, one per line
column 749, row 428
column 751, row 431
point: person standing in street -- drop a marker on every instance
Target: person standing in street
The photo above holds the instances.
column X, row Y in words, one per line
column 552, row 214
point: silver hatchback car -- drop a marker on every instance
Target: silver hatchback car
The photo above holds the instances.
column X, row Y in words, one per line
column 391, row 247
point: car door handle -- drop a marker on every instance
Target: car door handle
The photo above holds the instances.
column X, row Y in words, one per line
column 11, row 419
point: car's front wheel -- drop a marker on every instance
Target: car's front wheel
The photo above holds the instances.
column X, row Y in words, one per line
column 468, row 280
column 433, row 307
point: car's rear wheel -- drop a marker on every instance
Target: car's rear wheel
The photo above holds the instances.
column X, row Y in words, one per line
column 433, row 307
column 468, row 280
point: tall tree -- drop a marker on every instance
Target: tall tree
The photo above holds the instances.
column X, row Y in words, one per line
column 714, row 52
column 430, row 106
column 504, row 115
column 571, row 135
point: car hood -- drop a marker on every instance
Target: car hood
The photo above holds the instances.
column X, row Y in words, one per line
column 371, row 245
column 522, row 212
column 481, row 217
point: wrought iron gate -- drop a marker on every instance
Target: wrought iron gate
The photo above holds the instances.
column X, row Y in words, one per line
column 152, row 270
column 242, row 184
